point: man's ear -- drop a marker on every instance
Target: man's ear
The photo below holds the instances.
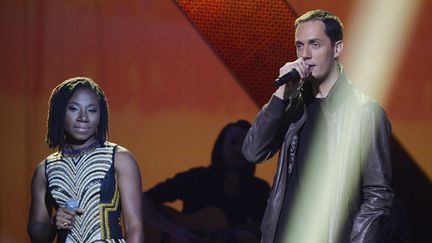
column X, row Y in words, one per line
column 338, row 48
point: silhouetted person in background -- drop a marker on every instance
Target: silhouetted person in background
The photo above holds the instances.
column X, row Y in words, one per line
column 228, row 184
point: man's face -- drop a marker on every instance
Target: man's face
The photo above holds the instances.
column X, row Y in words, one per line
column 315, row 47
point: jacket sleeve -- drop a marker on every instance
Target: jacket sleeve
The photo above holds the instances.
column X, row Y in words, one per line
column 265, row 136
column 376, row 178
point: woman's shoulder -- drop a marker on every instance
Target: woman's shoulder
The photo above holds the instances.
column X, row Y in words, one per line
column 119, row 150
column 53, row 156
column 41, row 165
column 108, row 144
column 123, row 157
column 122, row 151
column 39, row 171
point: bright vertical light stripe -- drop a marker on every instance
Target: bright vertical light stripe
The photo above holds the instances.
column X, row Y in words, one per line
column 378, row 35
column 377, row 38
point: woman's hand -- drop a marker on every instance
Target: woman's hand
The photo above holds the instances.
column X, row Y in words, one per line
column 65, row 218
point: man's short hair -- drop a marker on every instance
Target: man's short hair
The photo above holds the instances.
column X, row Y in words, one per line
column 333, row 25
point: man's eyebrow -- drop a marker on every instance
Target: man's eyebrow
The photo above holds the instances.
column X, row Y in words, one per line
column 314, row 40
column 309, row 41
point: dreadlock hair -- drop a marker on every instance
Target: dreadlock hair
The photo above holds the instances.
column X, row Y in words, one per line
column 58, row 101
column 333, row 25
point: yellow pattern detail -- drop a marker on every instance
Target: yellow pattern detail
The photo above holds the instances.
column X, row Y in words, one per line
column 105, row 208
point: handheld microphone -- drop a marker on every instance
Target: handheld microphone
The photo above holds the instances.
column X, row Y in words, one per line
column 290, row 76
column 71, row 204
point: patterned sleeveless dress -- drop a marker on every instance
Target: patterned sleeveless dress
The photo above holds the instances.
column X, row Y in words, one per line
column 89, row 176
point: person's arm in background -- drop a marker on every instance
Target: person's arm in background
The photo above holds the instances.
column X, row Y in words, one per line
column 178, row 187
column 129, row 179
column 152, row 216
column 377, row 192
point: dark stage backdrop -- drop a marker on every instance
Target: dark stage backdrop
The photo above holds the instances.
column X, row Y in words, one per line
column 173, row 82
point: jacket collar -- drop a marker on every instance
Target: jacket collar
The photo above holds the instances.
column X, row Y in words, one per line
column 338, row 92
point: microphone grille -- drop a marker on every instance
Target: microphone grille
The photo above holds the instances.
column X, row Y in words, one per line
column 72, row 204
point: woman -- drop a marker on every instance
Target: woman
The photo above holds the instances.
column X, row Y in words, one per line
column 102, row 177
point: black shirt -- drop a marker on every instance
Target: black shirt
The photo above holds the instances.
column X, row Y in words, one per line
column 313, row 133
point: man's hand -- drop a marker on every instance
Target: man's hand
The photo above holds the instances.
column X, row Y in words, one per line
column 302, row 68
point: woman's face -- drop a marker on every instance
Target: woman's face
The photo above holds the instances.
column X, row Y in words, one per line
column 82, row 118
column 232, row 147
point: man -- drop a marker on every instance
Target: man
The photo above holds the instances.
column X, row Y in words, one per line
column 333, row 174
